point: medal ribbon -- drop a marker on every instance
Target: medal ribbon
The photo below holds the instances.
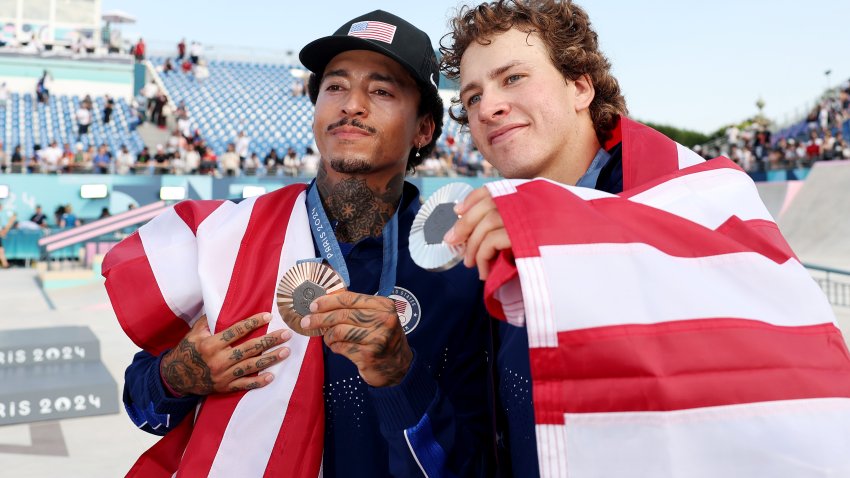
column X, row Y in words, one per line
column 326, row 242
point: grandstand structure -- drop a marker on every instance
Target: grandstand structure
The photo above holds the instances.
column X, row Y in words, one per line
column 264, row 100
column 28, row 123
column 252, row 97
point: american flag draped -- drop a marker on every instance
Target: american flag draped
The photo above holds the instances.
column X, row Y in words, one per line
column 225, row 260
column 672, row 330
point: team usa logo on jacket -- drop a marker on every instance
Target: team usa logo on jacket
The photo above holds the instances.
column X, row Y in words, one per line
column 407, row 307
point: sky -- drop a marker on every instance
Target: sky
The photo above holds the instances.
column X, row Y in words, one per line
column 692, row 64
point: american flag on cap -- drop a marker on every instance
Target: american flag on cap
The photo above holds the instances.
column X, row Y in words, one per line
column 371, row 30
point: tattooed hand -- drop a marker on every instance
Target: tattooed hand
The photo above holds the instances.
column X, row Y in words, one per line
column 366, row 330
column 204, row 363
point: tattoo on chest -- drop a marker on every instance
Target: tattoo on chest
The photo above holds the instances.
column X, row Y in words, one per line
column 359, row 210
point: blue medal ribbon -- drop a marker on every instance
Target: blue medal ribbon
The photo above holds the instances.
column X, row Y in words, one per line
column 328, row 246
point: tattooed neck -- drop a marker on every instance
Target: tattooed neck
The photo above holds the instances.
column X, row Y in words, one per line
column 360, row 208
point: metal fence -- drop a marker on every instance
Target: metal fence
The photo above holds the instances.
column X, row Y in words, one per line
column 835, row 284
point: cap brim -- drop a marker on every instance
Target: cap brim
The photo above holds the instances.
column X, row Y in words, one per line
column 318, row 53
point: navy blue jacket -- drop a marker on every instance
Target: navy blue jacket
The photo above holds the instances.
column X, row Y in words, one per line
column 437, row 422
column 516, row 439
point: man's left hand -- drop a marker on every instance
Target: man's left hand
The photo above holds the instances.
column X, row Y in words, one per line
column 480, row 226
column 366, row 330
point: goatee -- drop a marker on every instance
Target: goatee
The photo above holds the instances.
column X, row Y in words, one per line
column 350, row 166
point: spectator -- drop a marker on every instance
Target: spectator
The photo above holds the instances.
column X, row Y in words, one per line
column 84, row 119
column 125, row 162
column 195, row 51
column 209, row 161
column 158, row 111
column 167, row 66
column 162, row 160
column 309, row 163
column 42, row 87
column 252, row 165
column 184, row 124
column 143, row 160
column 4, row 95
column 104, row 213
column 17, row 160
column 39, row 218
column 813, row 146
column 68, row 219
column 181, row 50
column 49, row 158
column 108, row 107
column 5, row 167
column 242, row 144
column 102, row 161
column 7, row 221
column 230, row 161
column 58, row 213
column 186, row 66
column 67, row 161
column 272, row 161
column 291, row 163
column 139, row 50
column 192, row 159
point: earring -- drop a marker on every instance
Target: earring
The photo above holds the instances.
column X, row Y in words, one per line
column 418, row 147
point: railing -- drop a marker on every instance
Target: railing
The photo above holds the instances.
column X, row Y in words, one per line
column 834, row 282
column 57, row 245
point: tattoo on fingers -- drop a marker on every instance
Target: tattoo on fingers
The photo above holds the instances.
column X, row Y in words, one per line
column 265, row 362
column 356, row 335
column 236, row 355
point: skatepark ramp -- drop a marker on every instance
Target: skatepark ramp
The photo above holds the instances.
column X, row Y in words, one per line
column 817, row 220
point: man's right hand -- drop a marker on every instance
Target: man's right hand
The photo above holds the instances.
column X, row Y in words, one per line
column 204, row 363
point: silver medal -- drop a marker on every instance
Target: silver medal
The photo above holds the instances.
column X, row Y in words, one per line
column 433, row 220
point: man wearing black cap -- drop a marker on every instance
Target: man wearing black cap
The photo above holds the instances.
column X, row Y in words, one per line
column 401, row 367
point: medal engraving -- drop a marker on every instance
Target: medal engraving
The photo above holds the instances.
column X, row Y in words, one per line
column 303, row 296
column 300, row 286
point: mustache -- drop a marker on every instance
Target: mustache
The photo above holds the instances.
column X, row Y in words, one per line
column 352, row 122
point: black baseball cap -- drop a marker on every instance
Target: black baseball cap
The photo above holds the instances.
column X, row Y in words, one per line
column 381, row 32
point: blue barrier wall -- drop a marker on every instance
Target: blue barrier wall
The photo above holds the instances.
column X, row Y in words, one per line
column 28, row 190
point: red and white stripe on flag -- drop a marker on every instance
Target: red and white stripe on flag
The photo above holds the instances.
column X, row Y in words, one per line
column 672, row 330
column 224, row 260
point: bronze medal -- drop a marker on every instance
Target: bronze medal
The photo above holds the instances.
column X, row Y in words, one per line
column 300, row 286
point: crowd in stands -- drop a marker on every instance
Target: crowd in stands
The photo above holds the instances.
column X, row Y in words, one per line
column 823, row 135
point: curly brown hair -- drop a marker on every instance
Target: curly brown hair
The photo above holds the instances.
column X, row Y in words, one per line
column 565, row 29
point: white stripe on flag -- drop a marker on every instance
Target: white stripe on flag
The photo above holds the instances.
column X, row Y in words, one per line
column 258, row 417
column 614, row 284
column 538, row 302
column 501, row 188
column 219, row 238
column 708, row 198
column 687, row 157
column 552, row 453
column 780, row 439
column 171, row 251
